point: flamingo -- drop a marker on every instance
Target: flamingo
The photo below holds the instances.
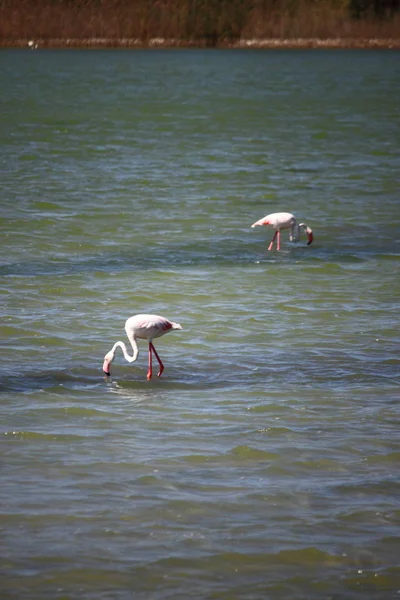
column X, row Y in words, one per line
column 284, row 220
column 144, row 327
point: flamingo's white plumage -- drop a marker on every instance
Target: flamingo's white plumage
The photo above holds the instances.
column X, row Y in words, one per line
column 284, row 220
column 144, row 327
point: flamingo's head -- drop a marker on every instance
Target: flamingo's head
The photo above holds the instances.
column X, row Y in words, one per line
column 176, row 326
column 109, row 357
column 308, row 232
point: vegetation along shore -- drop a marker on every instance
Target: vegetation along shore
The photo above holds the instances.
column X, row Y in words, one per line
column 200, row 23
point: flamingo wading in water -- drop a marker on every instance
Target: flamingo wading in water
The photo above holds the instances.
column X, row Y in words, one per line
column 284, row 220
column 143, row 327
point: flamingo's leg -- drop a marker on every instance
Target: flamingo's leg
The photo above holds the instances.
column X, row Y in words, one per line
column 150, row 371
column 272, row 241
column 278, row 244
column 159, row 360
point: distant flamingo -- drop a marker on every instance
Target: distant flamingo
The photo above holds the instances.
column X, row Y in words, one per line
column 284, row 220
column 144, row 327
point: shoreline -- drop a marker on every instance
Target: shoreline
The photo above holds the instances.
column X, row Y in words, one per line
column 164, row 43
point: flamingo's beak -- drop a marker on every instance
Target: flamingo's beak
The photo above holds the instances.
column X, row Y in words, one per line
column 310, row 236
column 106, row 366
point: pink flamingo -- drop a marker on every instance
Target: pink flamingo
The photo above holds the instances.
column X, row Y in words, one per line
column 144, row 327
column 284, row 220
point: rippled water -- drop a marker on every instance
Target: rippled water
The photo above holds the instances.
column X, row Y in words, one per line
column 264, row 462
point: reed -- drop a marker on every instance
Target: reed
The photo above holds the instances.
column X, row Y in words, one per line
column 201, row 22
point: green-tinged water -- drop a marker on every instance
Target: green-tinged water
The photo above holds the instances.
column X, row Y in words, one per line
column 263, row 464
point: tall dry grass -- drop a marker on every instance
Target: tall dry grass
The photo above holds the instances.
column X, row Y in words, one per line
column 212, row 21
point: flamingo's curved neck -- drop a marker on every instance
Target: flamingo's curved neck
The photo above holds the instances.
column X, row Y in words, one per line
column 135, row 349
column 295, row 232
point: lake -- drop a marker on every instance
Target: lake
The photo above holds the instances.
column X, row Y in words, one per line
column 263, row 464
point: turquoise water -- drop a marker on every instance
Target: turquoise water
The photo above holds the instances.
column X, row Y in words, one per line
column 263, row 464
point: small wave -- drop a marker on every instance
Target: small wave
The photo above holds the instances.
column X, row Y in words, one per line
column 196, row 459
column 324, row 464
column 306, row 557
column 390, row 457
column 51, row 380
column 55, row 437
column 248, row 453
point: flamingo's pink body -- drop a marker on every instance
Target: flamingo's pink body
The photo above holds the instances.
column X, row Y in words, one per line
column 284, row 220
column 144, row 327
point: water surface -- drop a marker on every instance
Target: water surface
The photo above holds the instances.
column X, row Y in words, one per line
column 263, row 463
